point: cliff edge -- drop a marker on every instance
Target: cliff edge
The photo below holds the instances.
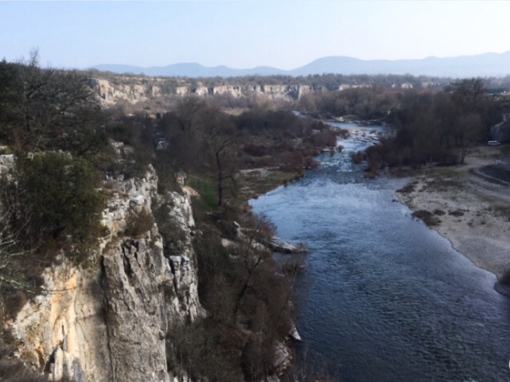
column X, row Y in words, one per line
column 108, row 320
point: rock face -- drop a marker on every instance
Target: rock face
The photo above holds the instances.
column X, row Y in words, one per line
column 132, row 93
column 144, row 89
column 133, row 281
column 63, row 331
column 108, row 320
column 6, row 163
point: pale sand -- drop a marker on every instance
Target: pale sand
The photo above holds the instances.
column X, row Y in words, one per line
column 479, row 227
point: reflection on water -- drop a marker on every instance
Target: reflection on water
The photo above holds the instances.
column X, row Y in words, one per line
column 386, row 299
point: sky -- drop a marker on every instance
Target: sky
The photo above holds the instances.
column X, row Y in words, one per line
column 247, row 34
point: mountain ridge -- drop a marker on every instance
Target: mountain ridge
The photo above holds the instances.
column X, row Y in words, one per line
column 479, row 65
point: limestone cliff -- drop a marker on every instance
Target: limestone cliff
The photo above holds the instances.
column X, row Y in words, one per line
column 107, row 320
column 138, row 90
column 134, row 91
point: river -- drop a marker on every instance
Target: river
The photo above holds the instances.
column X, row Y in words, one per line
column 384, row 297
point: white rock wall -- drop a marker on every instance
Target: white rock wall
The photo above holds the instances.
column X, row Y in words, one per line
column 110, row 93
column 108, row 321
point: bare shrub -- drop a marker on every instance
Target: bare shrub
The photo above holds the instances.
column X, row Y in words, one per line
column 324, row 138
column 257, row 358
column 308, row 367
column 241, row 287
column 205, row 349
column 427, row 217
column 411, row 187
column 255, row 150
column 358, row 157
column 258, row 227
column 293, row 265
column 12, row 370
column 139, row 223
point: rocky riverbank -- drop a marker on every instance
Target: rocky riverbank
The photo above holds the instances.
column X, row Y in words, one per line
column 471, row 210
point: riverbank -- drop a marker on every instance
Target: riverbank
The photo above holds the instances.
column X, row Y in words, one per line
column 466, row 207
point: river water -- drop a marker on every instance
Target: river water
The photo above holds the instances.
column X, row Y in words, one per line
column 386, row 298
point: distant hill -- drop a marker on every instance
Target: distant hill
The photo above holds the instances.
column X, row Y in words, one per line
column 482, row 65
column 192, row 70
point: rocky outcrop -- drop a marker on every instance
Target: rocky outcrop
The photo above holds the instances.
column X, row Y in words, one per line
column 182, row 301
column 135, row 274
column 281, row 246
column 114, row 317
column 233, row 90
column 136, row 90
column 6, row 163
column 107, row 320
column 63, row 331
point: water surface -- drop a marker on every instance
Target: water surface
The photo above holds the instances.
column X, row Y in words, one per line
column 385, row 297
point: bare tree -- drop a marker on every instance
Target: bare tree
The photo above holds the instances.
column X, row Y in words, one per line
column 48, row 108
column 468, row 107
column 10, row 253
column 219, row 133
column 187, row 111
column 466, row 131
column 258, row 229
column 467, row 91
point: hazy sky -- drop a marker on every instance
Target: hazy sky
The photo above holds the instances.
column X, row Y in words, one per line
column 245, row 34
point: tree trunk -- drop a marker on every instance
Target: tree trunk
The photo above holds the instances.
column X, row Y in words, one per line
column 220, row 189
column 220, row 178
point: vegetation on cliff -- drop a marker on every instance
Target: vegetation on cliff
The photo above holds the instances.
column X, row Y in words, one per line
column 248, row 296
column 47, row 109
column 48, row 201
column 64, row 146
